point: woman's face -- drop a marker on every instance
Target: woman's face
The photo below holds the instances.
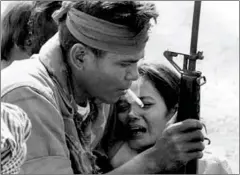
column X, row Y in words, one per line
column 144, row 125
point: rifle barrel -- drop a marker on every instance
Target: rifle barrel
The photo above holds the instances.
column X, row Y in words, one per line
column 194, row 37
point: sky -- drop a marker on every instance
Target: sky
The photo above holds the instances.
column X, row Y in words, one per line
column 218, row 39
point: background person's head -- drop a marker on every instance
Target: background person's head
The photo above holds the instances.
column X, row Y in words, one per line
column 102, row 73
column 14, row 30
column 41, row 24
column 158, row 88
column 26, row 26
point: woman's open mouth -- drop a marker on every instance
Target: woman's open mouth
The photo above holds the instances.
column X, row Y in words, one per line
column 136, row 130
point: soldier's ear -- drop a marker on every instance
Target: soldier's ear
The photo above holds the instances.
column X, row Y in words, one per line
column 77, row 55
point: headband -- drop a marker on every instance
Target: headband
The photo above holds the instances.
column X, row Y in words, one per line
column 102, row 34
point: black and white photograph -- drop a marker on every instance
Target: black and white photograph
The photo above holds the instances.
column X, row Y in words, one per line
column 120, row 87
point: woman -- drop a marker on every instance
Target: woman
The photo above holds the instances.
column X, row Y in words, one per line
column 137, row 129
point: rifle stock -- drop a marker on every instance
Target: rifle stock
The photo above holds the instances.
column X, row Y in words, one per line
column 191, row 80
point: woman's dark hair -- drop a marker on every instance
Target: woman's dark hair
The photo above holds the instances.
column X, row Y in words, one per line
column 14, row 27
column 165, row 80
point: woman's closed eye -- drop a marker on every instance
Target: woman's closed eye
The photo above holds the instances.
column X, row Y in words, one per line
column 123, row 106
column 147, row 105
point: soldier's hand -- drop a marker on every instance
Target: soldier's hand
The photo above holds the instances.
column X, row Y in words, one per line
column 180, row 143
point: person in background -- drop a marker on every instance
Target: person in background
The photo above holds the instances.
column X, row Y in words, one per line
column 41, row 24
column 15, row 130
column 26, row 26
column 14, row 32
column 136, row 129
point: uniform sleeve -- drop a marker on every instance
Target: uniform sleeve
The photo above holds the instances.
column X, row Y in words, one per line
column 47, row 151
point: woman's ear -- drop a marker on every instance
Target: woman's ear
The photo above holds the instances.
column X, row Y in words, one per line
column 77, row 55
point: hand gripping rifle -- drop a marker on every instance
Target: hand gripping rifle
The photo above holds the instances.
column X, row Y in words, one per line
column 191, row 80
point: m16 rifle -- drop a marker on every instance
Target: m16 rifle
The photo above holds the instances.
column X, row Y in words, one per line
column 191, row 80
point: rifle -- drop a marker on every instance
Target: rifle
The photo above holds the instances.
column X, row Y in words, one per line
column 191, row 80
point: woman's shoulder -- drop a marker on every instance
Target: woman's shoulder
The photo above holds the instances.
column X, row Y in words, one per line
column 213, row 162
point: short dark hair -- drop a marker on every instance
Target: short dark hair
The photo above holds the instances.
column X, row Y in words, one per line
column 133, row 14
column 165, row 80
column 14, row 27
column 41, row 25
